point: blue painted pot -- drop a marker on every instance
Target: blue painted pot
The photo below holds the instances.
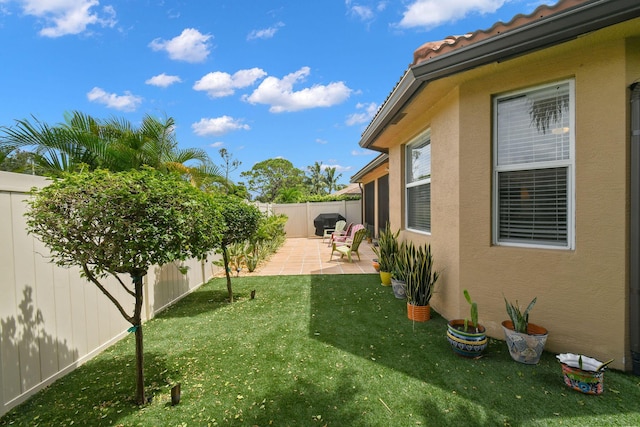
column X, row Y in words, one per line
column 466, row 344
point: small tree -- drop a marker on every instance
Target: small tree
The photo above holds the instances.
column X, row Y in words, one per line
column 123, row 223
column 241, row 221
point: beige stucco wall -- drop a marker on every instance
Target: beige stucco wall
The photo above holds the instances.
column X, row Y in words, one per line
column 582, row 293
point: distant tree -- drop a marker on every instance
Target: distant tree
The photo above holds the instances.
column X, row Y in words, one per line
column 123, row 223
column 268, row 177
column 331, row 179
column 241, row 221
column 20, row 162
column 228, row 166
column 316, row 179
column 289, row 195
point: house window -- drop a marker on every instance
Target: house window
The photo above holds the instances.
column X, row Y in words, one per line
column 418, row 183
column 533, row 167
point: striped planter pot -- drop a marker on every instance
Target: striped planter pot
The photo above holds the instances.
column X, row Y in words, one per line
column 467, row 344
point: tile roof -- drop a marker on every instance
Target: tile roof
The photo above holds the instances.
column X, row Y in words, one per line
column 436, row 48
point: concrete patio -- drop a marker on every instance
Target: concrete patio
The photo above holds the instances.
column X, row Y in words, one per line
column 311, row 256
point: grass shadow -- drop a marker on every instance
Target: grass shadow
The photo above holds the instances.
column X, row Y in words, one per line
column 100, row 392
column 357, row 315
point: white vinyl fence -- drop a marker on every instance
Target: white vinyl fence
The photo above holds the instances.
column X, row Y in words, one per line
column 51, row 319
column 301, row 215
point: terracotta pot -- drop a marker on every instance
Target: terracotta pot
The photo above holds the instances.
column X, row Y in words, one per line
column 385, row 278
column 467, row 344
column 418, row 313
column 525, row 348
column 376, row 265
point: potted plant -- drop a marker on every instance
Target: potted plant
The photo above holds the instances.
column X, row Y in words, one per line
column 399, row 272
column 467, row 337
column 385, row 251
column 420, row 279
column 525, row 340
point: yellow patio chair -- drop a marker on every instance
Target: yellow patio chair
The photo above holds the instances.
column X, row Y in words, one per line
column 339, row 227
column 350, row 247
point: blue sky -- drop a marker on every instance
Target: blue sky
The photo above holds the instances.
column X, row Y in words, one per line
column 298, row 79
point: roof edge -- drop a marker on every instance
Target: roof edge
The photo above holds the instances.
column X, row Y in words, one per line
column 373, row 164
column 551, row 30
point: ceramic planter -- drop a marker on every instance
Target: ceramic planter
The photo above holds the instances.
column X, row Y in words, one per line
column 525, row 348
column 399, row 288
column 418, row 313
column 385, row 278
column 588, row 379
column 467, row 344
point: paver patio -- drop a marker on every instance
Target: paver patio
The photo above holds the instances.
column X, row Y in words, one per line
column 311, row 256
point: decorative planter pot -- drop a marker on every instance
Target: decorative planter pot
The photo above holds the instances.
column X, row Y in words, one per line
column 399, row 288
column 376, row 265
column 418, row 313
column 467, row 344
column 525, row 348
column 589, row 379
column 385, row 278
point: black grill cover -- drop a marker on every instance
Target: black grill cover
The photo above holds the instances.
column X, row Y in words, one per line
column 325, row 221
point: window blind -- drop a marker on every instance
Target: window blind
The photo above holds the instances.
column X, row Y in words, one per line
column 533, row 206
column 419, row 207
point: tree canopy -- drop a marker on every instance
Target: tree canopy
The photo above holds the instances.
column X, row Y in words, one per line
column 269, row 177
column 241, row 221
column 122, row 223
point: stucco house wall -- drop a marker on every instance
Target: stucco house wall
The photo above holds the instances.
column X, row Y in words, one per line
column 582, row 292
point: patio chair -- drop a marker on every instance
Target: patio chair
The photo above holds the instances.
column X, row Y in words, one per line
column 349, row 247
column 337, row 234
column 339, row 227
column 346, row 238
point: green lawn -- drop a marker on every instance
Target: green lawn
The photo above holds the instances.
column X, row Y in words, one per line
column 314, row 351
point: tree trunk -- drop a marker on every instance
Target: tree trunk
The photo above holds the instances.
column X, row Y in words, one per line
column 225, row 257
column 137, row 319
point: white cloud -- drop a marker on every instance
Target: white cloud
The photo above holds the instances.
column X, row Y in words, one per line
column 321, row 141
column 216, row 144
column 63, row 17
column 365, row 116
column 338, row 168
column 126, row 102
column 280, row 95
column 431, row 13
column 219, row 84
column 363, row 152
column 190, row 46
column 265, row 33
column 218, row 126
column 365, row 12
column 163, row 80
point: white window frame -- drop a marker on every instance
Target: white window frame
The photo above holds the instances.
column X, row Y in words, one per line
column 566, row 163
column 408, row 183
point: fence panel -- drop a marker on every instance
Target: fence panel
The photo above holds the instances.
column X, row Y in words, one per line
column 300, row 216
column 51, row 319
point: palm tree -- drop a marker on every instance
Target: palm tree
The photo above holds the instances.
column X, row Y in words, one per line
column 316, row 179
column 83, row 142
column 67, row 147
column 331, row 179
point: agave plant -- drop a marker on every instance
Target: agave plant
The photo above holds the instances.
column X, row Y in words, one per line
column 520, row 319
